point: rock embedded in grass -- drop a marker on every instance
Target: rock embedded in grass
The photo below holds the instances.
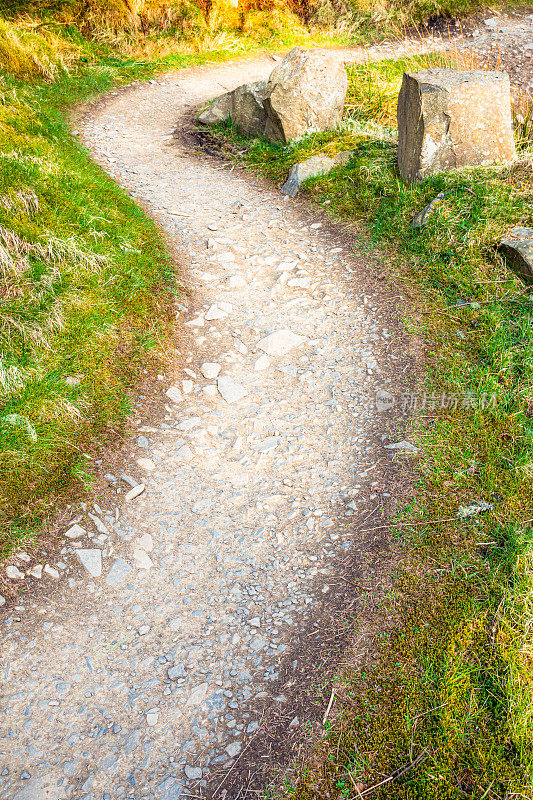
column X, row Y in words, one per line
column 449, row 119
column 517, row 248
column 314, row 166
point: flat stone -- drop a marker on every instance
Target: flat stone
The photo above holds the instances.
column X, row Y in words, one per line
column 91, row 560
column 36, row 571
column 210, row 370
column 145, row 542
column 43, row 788
column 142, row 559
column 193, row 773
column 118, row 572
column 280, row 342
column 177, row 671
column 197, row 696
column 14, row 573
column 75, row 532
column 230, row 390
column 53, row 573
column 405, row 446
column 233, row 749
column 146, row 463
column 173, row 393
column 135, row 492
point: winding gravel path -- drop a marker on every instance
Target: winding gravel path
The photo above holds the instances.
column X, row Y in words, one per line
column 145, row 678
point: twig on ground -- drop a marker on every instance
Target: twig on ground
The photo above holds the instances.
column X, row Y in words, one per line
column 398, row 773
column 410, row 524
column 328, row 709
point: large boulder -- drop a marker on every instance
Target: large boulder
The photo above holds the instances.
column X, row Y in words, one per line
column 306, row 92
column 449, row 119
column 243, row 106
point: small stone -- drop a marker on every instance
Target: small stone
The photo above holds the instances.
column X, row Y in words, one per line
column 92, row 561
column 118, row 572
column 261, row 363
column 145, row 542
column 233, row 749
column 280, row 342
column 210, row 370
column 230, row 390
column 143, row 630
column 188, row 386
column 177, row 671
column 75, row 531
column 146, row 463
column 404, row 446
column 133, row 493
column 14, row 573
column 54, row 573
column 193, row 773
column 152, row 716
column 174, row 394
column 142, row 559
column 184, row 453
column 197, row 695
column 2, row 600
column 99, row 525
column 36, row 571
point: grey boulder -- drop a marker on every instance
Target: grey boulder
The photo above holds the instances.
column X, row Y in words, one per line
column 449, row 119
column 243, row 106
column 517, row 248
column 305, row 93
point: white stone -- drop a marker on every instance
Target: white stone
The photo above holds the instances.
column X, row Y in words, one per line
column 236, row 281
column 215, row 312
column 280, row 342
column 174, row 394
column 135, row 492
column 36, row 571
column 187, row 387
column 210, row 370
column 230, row 390
column 197, row 695
column 75, row 531
column 145, row 542
column 142, row 559
column 92, row 561
column 54, row 573
column 146, row 463
column 14, row 573
column 263, row 362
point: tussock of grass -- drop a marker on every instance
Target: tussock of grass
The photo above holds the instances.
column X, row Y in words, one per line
column 455, row 679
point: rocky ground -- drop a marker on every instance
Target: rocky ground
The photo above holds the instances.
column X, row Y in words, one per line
column 182, row 617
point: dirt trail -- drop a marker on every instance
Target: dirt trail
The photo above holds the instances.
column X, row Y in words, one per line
column 176, row 623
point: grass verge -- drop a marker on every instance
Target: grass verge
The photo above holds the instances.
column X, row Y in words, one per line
column 87, row 288
column 451, row 698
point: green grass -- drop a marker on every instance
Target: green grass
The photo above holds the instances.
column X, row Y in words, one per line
column 455, row 678
column 86, row 284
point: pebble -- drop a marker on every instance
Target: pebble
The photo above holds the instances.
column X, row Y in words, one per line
column 231, row 391
column 210, row 370
column 75, row 532
column 118, row 572
column 174, row 394
column 135, row 492
column 280, row 342
column 91, row 560
column 14, row 573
